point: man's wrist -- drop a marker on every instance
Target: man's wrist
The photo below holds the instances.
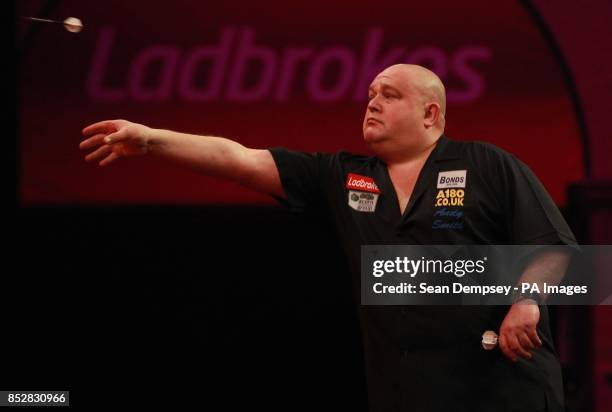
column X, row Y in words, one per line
column 154, row 139
column 525, row 297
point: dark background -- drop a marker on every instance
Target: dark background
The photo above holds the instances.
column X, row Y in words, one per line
column 245, row 306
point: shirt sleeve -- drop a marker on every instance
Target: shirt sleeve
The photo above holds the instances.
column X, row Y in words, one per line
column 533, row 217
column 303, row 177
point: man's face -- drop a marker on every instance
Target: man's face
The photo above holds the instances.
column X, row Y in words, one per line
column 394, row 109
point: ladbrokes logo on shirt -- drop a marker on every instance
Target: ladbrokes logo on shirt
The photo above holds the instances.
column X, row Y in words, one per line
column 451, row 188
column 359, row 182
column 363, row 192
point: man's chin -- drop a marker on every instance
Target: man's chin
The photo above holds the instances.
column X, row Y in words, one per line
column 372, row 138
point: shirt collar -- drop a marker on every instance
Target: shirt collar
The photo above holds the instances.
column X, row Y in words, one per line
column 446, row 149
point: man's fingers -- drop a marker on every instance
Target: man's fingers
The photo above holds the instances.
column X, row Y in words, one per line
column 109, row 159
column 503, row 345
column 101, row 152
column 117, row 136
column 533, row 336
column 104, row 127
column 515, row 346
column 525, row 341
column 517, row 343
column 93, row 141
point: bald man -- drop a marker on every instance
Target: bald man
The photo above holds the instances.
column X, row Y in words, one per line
column 417, row 358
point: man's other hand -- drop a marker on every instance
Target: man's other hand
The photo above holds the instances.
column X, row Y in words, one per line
column 518, row 335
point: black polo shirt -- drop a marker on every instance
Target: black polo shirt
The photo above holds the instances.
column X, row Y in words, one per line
column 430, row 358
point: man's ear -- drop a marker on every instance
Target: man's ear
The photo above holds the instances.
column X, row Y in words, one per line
column 432, row 114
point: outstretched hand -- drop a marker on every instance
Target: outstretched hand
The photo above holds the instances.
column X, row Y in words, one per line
column 113, row 139
column 518, row 335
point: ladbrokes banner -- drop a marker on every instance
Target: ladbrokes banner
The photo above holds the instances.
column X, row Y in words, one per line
column 265, row 75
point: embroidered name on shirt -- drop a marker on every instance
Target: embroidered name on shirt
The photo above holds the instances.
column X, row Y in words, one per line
column 445, row 218
column 452, row 179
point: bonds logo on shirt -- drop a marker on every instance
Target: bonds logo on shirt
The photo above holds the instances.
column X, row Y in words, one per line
column 363, row 192
column 452, row 179
column 451, row 188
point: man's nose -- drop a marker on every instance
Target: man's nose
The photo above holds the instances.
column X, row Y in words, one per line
column 373, row 105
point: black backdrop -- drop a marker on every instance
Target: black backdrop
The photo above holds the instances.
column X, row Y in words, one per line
column 250, row 307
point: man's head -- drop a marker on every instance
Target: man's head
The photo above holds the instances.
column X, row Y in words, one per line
column 406, row 109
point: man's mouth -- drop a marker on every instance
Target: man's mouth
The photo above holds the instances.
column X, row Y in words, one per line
column 371, row 120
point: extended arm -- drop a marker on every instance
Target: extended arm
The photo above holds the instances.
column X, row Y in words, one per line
column 207, row 155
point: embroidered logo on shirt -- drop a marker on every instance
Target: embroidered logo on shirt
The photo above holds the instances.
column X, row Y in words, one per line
column 449, row 197
column 359, row 182
column 452, row 179
column 363, row 201
column 363, row 192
